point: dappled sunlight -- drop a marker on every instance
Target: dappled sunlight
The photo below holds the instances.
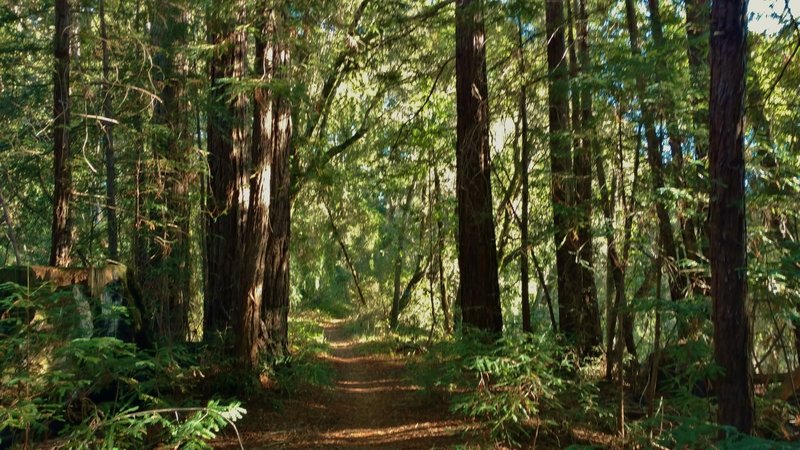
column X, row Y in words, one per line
column 370, row 404
column 388, row 435
column 359, row 389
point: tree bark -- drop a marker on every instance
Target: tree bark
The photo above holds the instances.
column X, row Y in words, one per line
column 264, row 295
column 524, row 161
column 107, row 126
column 228, row 166
column 677, row 283
column 168, row 272
column 61, row 231
column 732, row 327
column 477, row 255
column 697, row 19
column 590, row 330
column 448, row 321
column 275, row 306
column 571, row 313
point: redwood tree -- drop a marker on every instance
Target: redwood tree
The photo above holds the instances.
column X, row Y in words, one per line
column 577, row 314
column 167, row 272
column 61, row 232
column 477, row 252
column 228, row 147
column 732, row 332
column 263, row 306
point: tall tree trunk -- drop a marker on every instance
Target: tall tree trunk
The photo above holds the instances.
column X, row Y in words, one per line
column 686, row 218
column 275, row 306
column 677, row 284
column 61, row 232
column 263, row 312
column 562, row 188
column 228, row 165
column 560, row 162
column 697, row 20
column 477, row 255
column 732, row 328
column 590, row 330
column 107, row 126
column 524, row 161
column 440, row 238
column 404, row 210
column 168, row 271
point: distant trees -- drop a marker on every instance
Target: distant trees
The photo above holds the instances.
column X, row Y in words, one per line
column 732, row 327
column 167, row 272
column 578, row 314
column 477, row 251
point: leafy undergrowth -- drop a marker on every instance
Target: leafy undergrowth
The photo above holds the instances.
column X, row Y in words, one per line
column 306, row 341
column 516, row 385
column 60, row 389
column 372, row 332
column 530, row 391
column 278, row 377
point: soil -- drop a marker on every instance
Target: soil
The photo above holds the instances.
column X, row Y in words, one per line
column 372, row 404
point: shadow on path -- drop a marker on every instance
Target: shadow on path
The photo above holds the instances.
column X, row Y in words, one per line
column 371, row 405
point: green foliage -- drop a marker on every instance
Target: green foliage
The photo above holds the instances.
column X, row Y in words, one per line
column 93, row 392
column 516, row 384
column 691, row 432
column 301, row 367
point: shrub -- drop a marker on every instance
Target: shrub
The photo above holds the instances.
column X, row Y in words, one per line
column 92, row 392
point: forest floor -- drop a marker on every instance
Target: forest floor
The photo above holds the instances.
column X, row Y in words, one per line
column 371, row 404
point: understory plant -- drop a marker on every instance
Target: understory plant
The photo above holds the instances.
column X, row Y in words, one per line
column 516, row 385
column 63, row 387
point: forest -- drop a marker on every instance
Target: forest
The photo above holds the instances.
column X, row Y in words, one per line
column 399, row 224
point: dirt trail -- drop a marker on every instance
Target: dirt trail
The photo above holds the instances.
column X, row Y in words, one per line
column 372, row 405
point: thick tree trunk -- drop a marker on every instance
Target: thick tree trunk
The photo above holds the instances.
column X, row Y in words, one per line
column 732, row 328
column 229, row 172
column 477, row 255
column 61, row 231
column 264, row 295
column 275, row 306
column 168, row 270
column 560, row 163
column 107, row 126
